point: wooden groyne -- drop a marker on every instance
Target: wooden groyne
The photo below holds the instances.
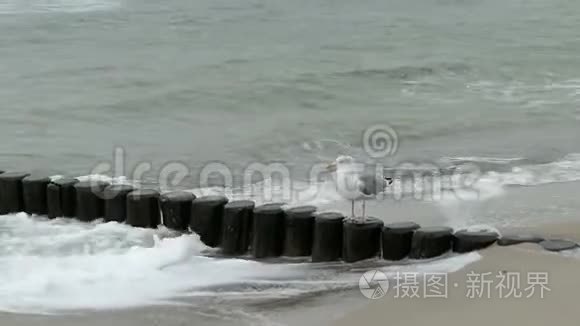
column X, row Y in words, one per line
column 240, row 227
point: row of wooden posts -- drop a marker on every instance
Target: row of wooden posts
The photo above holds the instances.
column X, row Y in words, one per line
column 236, row 227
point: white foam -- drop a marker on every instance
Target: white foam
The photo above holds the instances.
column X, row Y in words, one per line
column 52, row 266
column 573, row 253
column 447, row 189
column 487, row 159
column 530, row 95
column 565, row 170
column 492, row 183
column 63, row 265
column 269, row 190
column 106, row 178
column 449, row 265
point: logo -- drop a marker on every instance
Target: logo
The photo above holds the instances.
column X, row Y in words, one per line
column 380, row 141
column 373, row 284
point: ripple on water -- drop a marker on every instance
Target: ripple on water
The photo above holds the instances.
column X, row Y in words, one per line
column 16, row 7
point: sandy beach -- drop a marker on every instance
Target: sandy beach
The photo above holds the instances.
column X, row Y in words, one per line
column 470, row 300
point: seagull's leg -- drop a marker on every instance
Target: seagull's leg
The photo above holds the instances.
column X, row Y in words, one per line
column 364, row 208
column 352, row 208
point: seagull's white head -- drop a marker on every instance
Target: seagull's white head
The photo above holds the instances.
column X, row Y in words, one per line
column 340, row 162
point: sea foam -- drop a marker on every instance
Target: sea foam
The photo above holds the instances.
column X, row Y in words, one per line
column 61, row 265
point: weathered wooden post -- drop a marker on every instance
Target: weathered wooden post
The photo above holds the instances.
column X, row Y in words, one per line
column 143, row 208
column 299, row 231
column 11, row 197
column 115, row 197
column 237, row 225
column 206, row 218
column 176, row 209
column 328, row 229
column 397, row 238
column 34, row 194
column 61, row 198
column 89, row 200
column 431, row 242
column 268, row 231
column 362, row 240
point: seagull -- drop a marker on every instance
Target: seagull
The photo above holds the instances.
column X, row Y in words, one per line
column 353, row 184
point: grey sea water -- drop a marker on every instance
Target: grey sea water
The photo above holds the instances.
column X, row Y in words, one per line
column 495, row 83
column 245, row 81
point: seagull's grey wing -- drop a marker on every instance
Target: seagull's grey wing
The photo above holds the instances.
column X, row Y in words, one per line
column 372, row 184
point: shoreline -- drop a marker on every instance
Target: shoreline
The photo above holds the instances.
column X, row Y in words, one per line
column 464, row 306
column 335, row 307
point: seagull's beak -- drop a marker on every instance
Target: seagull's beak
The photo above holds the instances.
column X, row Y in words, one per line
column 331, row 167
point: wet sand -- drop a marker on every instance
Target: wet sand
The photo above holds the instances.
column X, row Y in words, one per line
column 464, row 306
